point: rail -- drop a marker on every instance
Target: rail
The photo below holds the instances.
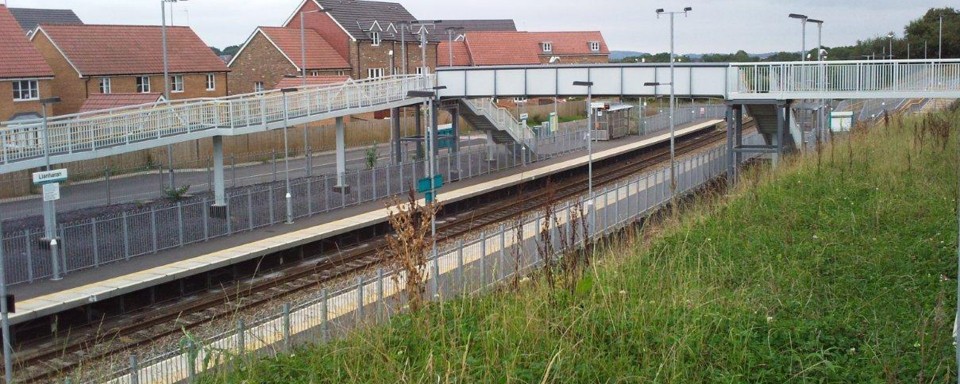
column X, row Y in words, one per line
column 189, row 120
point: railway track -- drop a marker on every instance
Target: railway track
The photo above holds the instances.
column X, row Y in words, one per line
column 44, row 361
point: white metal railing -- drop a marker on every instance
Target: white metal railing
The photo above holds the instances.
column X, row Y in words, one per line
column 91, row 131
column 504, row 121
column 899, row 76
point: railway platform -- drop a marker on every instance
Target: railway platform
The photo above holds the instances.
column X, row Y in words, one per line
column 39, row 300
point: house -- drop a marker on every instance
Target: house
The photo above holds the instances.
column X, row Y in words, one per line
column 312, row 81
column 30, row 18
column 272, row 53
column 25, row 77
column 104, row 101
column 375, row 37
column 105, row 59
column 489, row 48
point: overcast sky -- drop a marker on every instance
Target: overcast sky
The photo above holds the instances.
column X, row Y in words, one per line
column 714, row 25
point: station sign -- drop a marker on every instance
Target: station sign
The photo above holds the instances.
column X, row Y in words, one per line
column 524, row 116
column 47, row 177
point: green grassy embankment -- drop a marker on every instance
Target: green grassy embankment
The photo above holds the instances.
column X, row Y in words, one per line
column 837, row 270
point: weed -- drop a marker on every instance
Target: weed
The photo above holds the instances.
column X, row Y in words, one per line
column 176, row 194
column 371, row 156
column 406, row 250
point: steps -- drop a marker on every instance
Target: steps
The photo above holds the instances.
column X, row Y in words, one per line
column 766, row 117
column 486, row 116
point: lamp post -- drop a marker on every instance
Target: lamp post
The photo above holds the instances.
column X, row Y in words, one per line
column 303, row 75
column 673, row 101
column 49, row 207
column 803, row 22
column 940, row 45
column 450, row 41
column 423, row 41
column 4, row 318
column 286, row 153
column 589, row 85
column 166, row 75
column 432, row 96
column 890, row 41
column 819, row 24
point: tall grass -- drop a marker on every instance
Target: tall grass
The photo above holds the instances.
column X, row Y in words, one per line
column 832, row 268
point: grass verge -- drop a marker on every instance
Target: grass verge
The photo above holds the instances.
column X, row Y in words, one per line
column 837, row 267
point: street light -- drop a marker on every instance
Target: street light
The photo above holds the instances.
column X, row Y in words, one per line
column 4, row 318
column 819, row 24
column 49, row 207
column 450, row 41
column 166, row 74
column 423, row 40
column 673, row 101
column 432, row 96
column 286, row 152
column 890, row 40
column 940, row 46
column 803, row 22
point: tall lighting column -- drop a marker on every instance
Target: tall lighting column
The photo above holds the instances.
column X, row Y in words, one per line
column 673, row 99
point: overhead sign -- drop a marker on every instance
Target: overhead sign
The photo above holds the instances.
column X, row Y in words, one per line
column 47, row 177
column 51, row 192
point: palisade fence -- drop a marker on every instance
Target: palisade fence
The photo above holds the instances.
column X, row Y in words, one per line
column 464, row 266
column 136, row 232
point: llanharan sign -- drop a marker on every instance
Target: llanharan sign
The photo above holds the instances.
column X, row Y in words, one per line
column 47, row 177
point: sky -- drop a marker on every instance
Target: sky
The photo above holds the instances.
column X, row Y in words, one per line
column 714, row 26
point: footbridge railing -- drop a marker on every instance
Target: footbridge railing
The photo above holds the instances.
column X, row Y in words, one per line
column 81, row 136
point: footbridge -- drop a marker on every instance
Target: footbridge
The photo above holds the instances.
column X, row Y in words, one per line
column 764, row 89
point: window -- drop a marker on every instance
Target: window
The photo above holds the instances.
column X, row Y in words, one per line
column 26, row 90
column 314, row 73
column 258, row 86
column 421, row 71
column 375, row 73
column 375, row 36
column 519, row 100
column 176, row 83
column 211, row 82
column 105, row 85
column 143, row 84
column 547, row 47
column 341, row 73
column 595, row 46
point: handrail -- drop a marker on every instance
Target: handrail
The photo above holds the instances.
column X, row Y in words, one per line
column 122, row 126
column 504, row 120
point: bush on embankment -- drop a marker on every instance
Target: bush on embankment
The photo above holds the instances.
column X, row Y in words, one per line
column 837, row 267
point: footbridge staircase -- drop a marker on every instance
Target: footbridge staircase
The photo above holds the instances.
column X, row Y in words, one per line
column 484, row 115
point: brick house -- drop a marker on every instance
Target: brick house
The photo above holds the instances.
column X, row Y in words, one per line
column 488, row 48
column 124, row 59
column 368, row 35
column 270, row 54
column 30, row 18
column 24, row 76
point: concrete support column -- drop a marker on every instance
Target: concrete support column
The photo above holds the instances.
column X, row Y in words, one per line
column 491, row 147
column 731, row 158
column 396, row 135
column 455, row 148
column 341, row 158
column 781, row 122
column 738, row 133
column 418, row 116
column 218, row 184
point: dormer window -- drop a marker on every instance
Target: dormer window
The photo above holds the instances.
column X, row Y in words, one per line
column 375, row 36
column 546, row 46
column 595, row 46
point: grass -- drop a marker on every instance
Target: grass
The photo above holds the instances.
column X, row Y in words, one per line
column 835, row 268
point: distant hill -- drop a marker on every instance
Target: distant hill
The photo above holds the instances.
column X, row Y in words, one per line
column 620, row 55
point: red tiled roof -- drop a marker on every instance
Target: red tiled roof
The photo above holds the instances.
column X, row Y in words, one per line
column 502, row 48
column 132, row 49
column 99, row 102
column 297, row 82
column 18, row 58
column 571, row 43
column 461, row 55
column 320, row 54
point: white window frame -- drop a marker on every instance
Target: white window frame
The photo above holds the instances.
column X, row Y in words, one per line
column 106, row 85
column 211, row 82
column 595, row 46
column 258, row 86
column 143, row 84
column 546, row 46
column 32, row 89
column 421, row 71
column 176, row 83
column 341, row 73
column 520, row 100
column 375, row 36
column 315, row 73
column 375, row 73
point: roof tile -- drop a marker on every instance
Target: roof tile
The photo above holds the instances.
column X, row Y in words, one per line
column 572, row 43
column 502, row 48
column 320, row 54
column 132, row 49
column 461, row 55
column 29, row 18
column 18, row 58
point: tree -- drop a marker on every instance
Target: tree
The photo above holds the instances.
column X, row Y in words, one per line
column 231, row 50
column 216, row 51
column 927, row 29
